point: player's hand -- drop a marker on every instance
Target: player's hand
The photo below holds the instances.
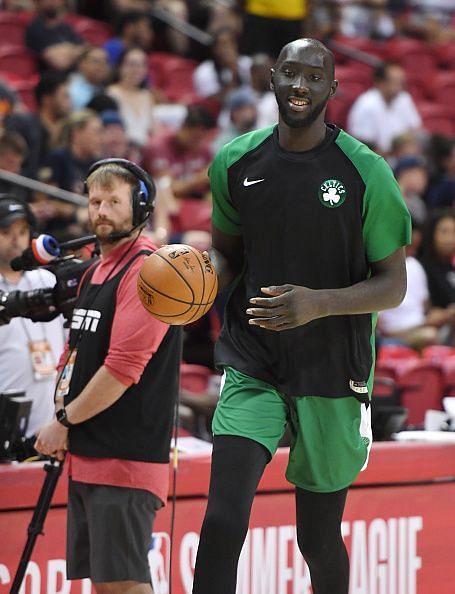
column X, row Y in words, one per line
column 286, row 307
column 52, row 440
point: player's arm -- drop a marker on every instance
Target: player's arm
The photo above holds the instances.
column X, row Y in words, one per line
column 226, row 255
column 289, row 306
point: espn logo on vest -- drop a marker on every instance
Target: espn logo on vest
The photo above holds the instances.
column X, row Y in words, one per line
column 85, row 319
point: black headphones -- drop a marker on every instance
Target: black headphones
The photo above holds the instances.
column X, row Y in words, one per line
column 20, row 204
column 143, row 197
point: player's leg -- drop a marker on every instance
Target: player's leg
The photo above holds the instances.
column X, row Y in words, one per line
column 247, row 425
column 331, row 443
column 319, row 538
column 237, row 466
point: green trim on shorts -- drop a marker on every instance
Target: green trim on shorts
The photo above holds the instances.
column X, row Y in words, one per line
column 330, row 437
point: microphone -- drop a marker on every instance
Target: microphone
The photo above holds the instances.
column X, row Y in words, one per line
column 43, row 249
column 117, row 235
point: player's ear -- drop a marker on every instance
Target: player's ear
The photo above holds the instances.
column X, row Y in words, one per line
column 333, row 88
column 272, row 84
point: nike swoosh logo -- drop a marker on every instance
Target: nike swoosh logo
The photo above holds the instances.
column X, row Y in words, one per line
column 247, row 182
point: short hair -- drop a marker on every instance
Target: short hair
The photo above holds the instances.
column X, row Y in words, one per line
column 105, row 175
column 48, row 84
column 381, row 71
column 76, row 121
column 128, row 18
column 13, row 142
column 102, row 102
column 198, row 116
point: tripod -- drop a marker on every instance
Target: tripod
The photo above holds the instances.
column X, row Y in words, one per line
column 53, row 472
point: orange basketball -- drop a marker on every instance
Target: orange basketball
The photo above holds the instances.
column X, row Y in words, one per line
column 177, row 284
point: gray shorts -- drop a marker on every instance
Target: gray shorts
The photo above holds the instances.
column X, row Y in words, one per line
column 109, row 532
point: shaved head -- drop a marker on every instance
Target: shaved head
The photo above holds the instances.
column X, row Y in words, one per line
column 294, row 47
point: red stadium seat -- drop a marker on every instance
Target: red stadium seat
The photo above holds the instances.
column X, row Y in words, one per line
column 437, row 119
column 441, row 89
column 438, row 353
column 12, row 29
column 414, row 55
column 17, row 60
column 448, row 368
column 445, row 55
column 194, row 378
column 422, row 388
column 395, row 352
column 95, row 33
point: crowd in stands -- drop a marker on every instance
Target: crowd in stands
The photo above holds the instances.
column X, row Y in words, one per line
column 83, row 80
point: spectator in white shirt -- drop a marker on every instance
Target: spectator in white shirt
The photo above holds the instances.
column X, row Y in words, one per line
column 385, row 111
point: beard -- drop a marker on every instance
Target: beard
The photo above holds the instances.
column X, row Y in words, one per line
column 297, row 120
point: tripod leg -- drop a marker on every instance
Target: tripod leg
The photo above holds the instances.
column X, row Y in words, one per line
column 53, row 472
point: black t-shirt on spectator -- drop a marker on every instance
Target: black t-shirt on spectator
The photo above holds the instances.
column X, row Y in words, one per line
column 39, row 36
column 67, row 172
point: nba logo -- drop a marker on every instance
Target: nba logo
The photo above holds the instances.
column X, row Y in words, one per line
column 159, row 557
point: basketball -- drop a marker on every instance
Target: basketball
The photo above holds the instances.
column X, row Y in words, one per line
column 177, row 284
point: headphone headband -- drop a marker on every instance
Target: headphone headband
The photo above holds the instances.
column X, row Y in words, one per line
column 144, row 197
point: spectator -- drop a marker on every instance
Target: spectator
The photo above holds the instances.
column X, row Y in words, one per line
column 114, row 142
column 225, row 71
column 385, row 111
column 243, row 117
column 415, row 322
column 179, row 160
column 90, row 77
column 55, row 42
column 135, row 100
column 79, row 148
column 270, row 24
column 267, row 109
column 134, row 29
column 40, row 129
column 29, row 350
column 412, row 177
column 367, row 18
column 437, row 255
column 441, row 190
column 13, row 151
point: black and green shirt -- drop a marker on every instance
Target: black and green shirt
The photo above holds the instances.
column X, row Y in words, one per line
column 315, row 219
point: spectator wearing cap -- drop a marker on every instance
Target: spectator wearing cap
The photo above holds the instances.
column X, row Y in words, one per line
column 385, row 111
column 114, row 141
column 29, row 351
column 412, row 177
column 90, row 77
column 243, row 115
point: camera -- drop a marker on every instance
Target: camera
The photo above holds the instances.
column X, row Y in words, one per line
column 43, row 305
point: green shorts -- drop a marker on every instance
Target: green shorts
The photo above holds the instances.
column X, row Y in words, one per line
column 330, row 437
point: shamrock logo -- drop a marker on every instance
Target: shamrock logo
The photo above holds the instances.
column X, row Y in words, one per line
column 332, row 193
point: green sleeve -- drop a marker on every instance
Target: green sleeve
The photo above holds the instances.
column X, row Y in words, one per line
column 224, row 215
column 386, row 219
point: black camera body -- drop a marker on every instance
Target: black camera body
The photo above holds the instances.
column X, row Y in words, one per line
column 43, row 305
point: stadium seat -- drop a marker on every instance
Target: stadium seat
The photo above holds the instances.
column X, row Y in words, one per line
column 12, row 29
column 194, row 378
column 193, row 215
column 388, row 352
column 437, row 119
column 438, row 352
column 445, row 55
column 95, row 33
column 421, row 388
column 448, row 370
column 414, row 55
column 17, row 60
column 177, row 82
column 441, row 88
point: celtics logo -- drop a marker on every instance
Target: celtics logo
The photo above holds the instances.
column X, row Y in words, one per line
column 332, row 193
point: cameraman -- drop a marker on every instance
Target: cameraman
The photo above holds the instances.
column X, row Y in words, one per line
column 29, row 351
column 115, row 395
